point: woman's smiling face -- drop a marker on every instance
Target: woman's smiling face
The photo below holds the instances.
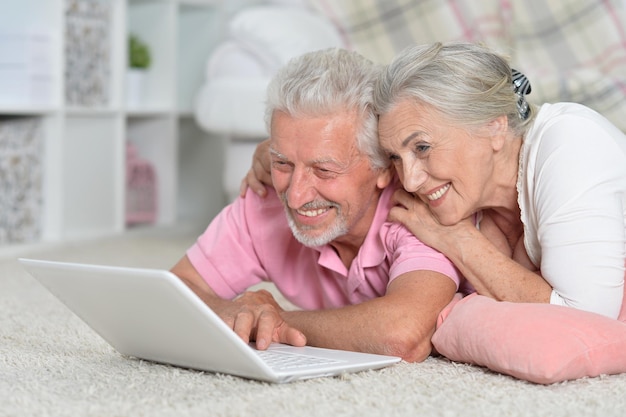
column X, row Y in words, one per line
column 447, row 167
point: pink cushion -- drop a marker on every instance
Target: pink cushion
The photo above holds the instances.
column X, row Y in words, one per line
column 541, row 343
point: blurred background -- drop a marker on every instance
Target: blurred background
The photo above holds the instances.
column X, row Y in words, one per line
column 125, row 114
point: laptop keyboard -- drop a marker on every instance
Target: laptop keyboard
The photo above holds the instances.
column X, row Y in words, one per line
column 284, row 361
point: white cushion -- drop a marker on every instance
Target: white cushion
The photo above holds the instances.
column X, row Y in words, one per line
column 234, row 106
column 276, row 34
column 229, row 59
column 262, row 39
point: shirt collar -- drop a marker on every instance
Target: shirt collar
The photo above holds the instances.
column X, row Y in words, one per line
column 372, row 253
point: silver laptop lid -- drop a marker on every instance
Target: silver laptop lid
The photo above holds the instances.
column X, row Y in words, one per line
column 151, row 314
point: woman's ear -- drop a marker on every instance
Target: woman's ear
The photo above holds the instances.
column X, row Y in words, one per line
column 385, row 176
column 498, row 130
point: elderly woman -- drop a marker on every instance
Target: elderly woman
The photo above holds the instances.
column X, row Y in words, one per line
column 528, row 202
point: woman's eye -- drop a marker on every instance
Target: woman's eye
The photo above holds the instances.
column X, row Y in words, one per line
column 394, row 159
column 421, row 148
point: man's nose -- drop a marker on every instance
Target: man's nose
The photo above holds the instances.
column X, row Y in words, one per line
column 301, row 190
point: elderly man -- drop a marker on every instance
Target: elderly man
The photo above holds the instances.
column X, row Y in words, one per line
column 321, row 234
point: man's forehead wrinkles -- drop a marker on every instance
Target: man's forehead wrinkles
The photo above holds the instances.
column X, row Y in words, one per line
column 315, row 161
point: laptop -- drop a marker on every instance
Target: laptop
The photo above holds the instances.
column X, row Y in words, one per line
column 151, row 314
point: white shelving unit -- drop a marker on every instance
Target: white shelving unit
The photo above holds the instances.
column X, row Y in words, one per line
column 85, row 128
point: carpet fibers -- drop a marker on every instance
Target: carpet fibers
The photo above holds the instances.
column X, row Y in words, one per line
column 52, row 364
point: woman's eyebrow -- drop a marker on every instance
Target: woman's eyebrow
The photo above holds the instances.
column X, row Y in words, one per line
column 412, row 136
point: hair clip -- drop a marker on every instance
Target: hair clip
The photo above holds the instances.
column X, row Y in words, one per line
column 521, row 87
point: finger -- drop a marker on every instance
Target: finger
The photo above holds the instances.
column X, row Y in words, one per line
column 398, row 214
column 261, row 172
column 243, row 187
column 243, row 325
column 258, row 178
column 403, row 198
column 267, row 323
column 252, row 181
column 230, row 321
column 292, row 336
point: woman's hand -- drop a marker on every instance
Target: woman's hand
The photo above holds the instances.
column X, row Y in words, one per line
column 415, row 215
column 485, row 260
column 259, row 174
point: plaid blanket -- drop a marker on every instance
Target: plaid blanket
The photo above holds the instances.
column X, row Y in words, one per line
column 571, row 50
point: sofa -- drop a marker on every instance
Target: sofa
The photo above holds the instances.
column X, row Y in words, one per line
column 573, row 50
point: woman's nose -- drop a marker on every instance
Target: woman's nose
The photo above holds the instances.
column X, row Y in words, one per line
column 414, row 176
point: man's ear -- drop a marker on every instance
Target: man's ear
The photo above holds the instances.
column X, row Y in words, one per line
column 497, row 130
column 385, row 176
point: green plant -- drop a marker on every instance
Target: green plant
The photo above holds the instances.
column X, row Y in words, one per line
column 138, row 53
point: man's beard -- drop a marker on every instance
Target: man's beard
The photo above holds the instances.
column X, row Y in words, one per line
column 332, row 232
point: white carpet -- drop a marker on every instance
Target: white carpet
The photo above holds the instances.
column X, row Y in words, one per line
column 51, row 364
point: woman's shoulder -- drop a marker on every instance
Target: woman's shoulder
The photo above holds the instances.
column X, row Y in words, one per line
column 569, row 116
column 570, row 124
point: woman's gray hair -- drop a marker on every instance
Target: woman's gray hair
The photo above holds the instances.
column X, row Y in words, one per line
column 468, row 83
column 323, row 82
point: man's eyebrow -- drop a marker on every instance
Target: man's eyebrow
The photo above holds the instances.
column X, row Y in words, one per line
column 334, row 164
column 320, row 161
column 277, row 154
column 326, row 161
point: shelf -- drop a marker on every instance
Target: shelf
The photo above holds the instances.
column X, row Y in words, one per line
column 30, row 54
column 148, row 112
column 27, row 110
column 72, row 81
column 200, row 2
column 81, row 111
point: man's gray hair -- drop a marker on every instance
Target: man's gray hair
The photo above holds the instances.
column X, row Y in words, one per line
column 324, row 82
column 468, row 83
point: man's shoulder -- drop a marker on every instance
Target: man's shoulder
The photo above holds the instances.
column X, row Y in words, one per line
column 262, row 215
column 267, row 204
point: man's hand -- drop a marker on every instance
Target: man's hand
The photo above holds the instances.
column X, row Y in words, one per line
column 259, row 174
column 255, row 315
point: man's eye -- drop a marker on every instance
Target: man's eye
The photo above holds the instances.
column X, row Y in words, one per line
column 325, row 173
column 280, row 165
column 421, row 148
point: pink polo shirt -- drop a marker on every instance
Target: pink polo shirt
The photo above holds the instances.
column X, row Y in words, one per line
column 250, row 241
